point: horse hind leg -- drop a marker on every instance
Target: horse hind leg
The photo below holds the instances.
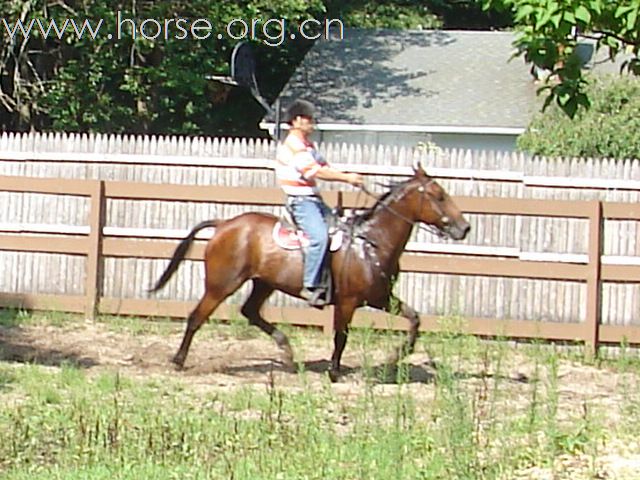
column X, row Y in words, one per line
column 251, row 309
column 207, row 304
column 398, row 307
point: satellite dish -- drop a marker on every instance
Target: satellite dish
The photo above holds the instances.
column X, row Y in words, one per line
column 243, row 71
column 243, row 66
column 243, row 74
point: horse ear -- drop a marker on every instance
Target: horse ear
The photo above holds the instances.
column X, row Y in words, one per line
column 418, row 170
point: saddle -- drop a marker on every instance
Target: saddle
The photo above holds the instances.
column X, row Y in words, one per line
column 287, row 236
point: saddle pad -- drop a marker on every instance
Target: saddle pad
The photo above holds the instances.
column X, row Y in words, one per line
column 290, row 239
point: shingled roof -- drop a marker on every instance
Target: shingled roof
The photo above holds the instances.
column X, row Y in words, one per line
column 431, row 78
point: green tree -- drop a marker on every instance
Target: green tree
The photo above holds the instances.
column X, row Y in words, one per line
column 610, row 128
column 549, row 33
column 137, row 84
column 381, row 14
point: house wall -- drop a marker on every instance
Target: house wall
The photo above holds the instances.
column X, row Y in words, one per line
column 504, row 143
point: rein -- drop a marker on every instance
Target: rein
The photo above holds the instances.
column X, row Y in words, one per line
column 428, row 228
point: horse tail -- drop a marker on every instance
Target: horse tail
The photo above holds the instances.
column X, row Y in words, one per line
column 180, row 252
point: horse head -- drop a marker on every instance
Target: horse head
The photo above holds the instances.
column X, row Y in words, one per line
column 433, row 206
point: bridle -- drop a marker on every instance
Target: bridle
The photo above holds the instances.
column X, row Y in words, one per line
column 422, row 188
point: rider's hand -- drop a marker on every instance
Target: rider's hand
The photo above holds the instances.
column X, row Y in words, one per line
column 355, row 179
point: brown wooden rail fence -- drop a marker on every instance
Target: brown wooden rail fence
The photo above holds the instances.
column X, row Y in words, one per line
column 96, row 246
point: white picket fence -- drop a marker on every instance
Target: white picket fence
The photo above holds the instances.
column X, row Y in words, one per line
column 246, row 163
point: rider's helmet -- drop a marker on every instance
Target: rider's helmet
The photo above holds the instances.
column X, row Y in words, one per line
column 299, row 108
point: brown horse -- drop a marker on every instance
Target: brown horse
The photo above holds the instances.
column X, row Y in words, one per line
column 363, row 269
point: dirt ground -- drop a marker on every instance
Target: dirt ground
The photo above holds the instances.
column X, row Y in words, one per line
column 220, row 359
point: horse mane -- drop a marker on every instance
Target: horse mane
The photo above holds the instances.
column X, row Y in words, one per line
column 394, row 188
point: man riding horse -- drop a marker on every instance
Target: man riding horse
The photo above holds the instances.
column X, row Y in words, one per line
column 298, row 166
column 245, row 247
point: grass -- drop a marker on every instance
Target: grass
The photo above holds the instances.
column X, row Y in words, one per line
column 13, row 317
column 113, row 426
column 473, row 420
column 141, row 326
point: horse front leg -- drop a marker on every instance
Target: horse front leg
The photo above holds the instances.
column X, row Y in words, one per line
column 339, row 342
column 398, row 307
column 342, row 314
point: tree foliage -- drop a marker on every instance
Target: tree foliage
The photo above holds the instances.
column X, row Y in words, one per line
column 136, row 84
column 379, row 14
column 550, row 31
column 610, row 128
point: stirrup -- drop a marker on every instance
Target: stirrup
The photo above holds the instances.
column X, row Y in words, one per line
column 314, row 297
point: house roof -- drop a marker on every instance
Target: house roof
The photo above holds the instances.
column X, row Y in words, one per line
column 420, row 80
column 442, row 79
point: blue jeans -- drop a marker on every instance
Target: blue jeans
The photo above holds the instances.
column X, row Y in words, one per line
column 310, row 214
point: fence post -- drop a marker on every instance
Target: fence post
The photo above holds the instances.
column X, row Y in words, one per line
column 594, row 288
column 93, row 270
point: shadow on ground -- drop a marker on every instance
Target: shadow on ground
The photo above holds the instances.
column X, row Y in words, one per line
column 17, row 347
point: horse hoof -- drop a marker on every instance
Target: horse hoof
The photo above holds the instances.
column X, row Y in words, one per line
column 287, row 357
column 178, row 362
column 393, row 359
column 288, row 364
column 333, row 375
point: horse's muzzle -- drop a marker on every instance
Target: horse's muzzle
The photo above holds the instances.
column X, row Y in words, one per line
column 458, row 230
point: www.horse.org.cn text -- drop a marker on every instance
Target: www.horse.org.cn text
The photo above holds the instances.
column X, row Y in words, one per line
column 272, row 31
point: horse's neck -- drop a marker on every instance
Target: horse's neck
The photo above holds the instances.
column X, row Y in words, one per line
column 389, row 230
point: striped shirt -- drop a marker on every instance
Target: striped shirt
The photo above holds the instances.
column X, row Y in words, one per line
column 297, row 163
